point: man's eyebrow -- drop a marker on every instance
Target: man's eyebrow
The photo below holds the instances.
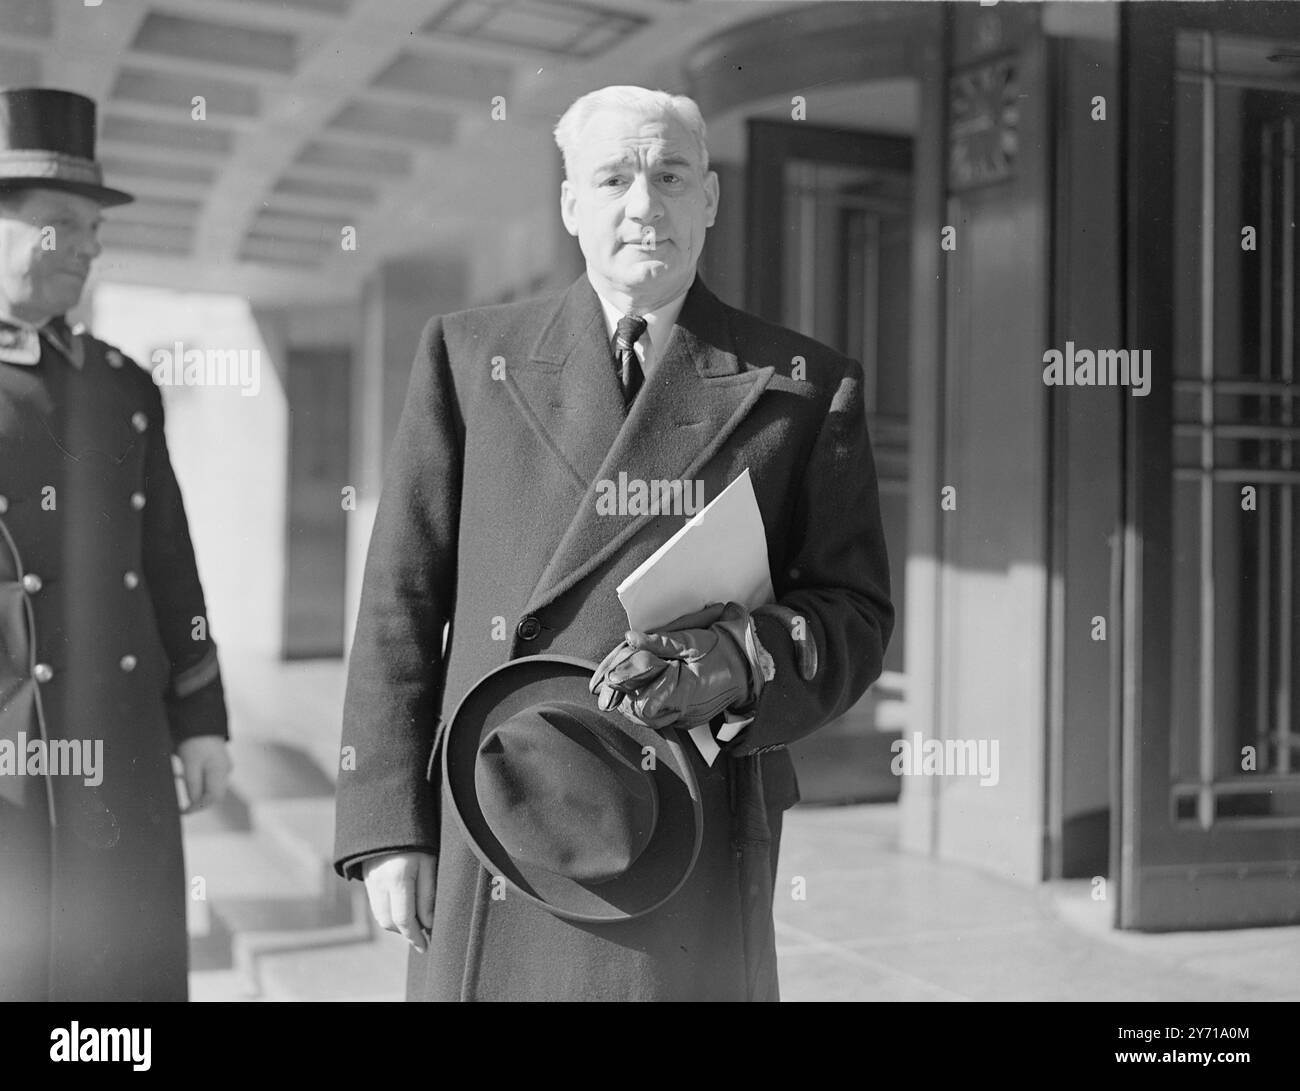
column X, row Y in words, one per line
column 613, row 164
column 672, row 159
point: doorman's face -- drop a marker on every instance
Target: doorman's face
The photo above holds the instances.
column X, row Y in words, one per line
column 639, row 201
column 48, row 238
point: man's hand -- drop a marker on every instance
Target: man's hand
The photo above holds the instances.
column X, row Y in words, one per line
column 400, row 888
column 695, row 668
column 205, row 765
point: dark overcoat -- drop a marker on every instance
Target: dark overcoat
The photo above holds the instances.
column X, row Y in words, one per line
column 489, row 524
column 100, row 640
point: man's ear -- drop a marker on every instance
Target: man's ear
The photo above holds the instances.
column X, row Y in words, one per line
column 568, row 210
column 711, row 195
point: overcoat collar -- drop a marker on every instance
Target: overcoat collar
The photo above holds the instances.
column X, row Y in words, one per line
column 568, row 393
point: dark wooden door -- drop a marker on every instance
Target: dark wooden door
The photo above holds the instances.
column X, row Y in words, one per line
column 1207, row 833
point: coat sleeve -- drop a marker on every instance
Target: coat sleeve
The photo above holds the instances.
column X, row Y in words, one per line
column 195, row 700
column 834, row 591
column 385, row 803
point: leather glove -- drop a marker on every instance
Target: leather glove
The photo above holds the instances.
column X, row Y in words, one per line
column 695, row 668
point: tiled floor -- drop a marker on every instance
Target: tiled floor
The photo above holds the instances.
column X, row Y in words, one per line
column 880, row 925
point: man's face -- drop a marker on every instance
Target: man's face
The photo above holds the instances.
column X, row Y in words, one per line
column 639, row 201
column 48, row 238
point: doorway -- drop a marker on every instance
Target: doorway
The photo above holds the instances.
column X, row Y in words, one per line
column 319, row 390
column 829, row 254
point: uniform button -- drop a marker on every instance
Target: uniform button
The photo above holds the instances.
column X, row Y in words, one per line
column 32, row 583
column 4, row 505
column 137, row 500
column 131, row 581
column 128, row 663
column 529, row 628
column 43, row 672
column 139, row 421
column 113, row 357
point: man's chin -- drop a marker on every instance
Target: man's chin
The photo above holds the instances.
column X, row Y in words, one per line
column 67, row 294
column 645, row 269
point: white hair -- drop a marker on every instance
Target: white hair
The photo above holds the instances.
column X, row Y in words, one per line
column 637, row 100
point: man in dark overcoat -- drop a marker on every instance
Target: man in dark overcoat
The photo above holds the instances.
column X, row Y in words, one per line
column 519, row 420
column 107, row 666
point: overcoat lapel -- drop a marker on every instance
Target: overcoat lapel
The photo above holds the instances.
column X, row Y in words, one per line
column 569, row 390
column 695, row 397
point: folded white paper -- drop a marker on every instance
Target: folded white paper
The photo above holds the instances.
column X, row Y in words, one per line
column 720, row 555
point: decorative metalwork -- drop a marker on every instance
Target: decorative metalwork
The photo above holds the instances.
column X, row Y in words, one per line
column 983, row 135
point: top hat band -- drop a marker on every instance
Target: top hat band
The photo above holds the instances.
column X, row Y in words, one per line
column 23, row 164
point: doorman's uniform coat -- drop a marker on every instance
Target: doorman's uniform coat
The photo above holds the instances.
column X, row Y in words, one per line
column 99, row 598
column 488, row 523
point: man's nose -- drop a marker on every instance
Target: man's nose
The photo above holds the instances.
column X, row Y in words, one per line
column 87, row 246
column 643, row 202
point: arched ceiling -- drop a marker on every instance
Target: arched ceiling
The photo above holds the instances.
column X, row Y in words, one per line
column 325, row 114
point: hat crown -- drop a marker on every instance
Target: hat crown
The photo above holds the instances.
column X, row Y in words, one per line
column 563, row 789
column 43, row 119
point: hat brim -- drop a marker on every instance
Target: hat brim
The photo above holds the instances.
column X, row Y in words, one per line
column 105, row 195
column 661, row 869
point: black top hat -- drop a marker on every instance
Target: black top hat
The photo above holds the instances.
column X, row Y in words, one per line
column 583, row 812
column 47, row 138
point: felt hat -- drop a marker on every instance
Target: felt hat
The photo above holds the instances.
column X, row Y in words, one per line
column 47, row 138
column 583, row 812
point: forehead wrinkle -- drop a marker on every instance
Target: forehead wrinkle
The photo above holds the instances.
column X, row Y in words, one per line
column 655, row 155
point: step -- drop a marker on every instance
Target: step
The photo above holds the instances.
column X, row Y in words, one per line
column 219, row 986
column 275, row 770
column 236, row 865
column 261, row 897
column 302, row 827
column 273, row 902
column 373, row 971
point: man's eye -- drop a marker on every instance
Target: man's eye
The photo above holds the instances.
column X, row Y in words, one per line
column 670, row 179
column 615, row 181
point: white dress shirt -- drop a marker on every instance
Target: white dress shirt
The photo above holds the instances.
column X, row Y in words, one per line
column 659, row 326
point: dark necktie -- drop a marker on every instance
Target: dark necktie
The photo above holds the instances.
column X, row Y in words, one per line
column 630, row 327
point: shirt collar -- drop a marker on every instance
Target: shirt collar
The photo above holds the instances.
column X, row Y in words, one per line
column 659, row 324
column 20, row 342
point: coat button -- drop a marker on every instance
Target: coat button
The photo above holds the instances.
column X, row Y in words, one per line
column 43, row 672
column 139, row 421
column 113, row 357
column 32, row 583
column 137, row 500
column 4, row 505
column 128, row 663
column 130, row 581
column 529, row 628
